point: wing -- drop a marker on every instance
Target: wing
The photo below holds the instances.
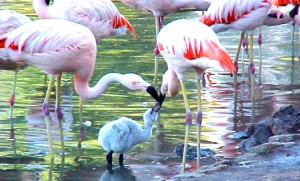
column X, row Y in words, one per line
column 228, row 11
column 45, row 35
column 10, row 20
column 102, row 16
column 52, row 45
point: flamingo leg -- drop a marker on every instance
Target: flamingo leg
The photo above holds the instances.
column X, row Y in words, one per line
column 49, row 133
column 158, row 26
column 198, row 119
column 12, row 100
column 188, row 122
column 245, row 50
column 46, row 112
column 58, row 112
column 235, row 74
column 121, row 160
column 109, row 161
column 293, row 41
column 252, row 71
column 57, row 105
column 259, row 40
column 50, row 173
column 47, row 97
column 81, row 130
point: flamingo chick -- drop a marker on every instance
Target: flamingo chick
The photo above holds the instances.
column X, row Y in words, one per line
column 188, row 44
column 10, row 20
column 121, row 135
column 56, row 46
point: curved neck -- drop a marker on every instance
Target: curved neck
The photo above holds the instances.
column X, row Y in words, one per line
column 41, row 8
column 86, row 92
column 147, row 131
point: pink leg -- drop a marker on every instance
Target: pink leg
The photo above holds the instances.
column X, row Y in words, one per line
column 259, row 41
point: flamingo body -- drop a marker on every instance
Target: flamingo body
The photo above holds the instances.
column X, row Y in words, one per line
column 242, row 15
column 101, row 16
column 189, row 44
column 124, row 133
column 163, row 7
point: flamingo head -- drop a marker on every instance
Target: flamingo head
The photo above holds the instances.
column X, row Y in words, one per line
column 135, row 82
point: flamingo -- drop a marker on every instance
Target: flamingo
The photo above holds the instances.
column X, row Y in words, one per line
column 242, row 15
column 101, row 16
column 160, row 8
column 189, row 44
column 56, row 46
column 121, row 135
column 10, row 20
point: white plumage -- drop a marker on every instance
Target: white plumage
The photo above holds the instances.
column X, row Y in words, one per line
column 124, row 133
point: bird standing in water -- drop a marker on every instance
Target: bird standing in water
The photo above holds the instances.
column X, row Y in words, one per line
column 121, row 135
column 189, row 44
column 10, row 20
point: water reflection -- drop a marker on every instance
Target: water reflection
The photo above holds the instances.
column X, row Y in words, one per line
column 119, row 173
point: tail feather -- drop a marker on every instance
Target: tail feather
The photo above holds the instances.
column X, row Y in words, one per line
column 220, row 54
column 120, row 21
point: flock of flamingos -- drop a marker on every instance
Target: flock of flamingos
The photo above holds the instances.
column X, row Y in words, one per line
column 65, row 39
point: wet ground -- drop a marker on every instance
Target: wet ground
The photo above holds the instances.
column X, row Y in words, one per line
column 277, row 157
column 274, row 161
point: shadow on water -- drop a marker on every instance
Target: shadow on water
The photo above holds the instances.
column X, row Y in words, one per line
column 24, row 150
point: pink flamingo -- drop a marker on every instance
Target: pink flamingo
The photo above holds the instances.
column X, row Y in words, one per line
column 101, row 16
column 242, row 15
column 160, row 8
column 56, row 46
column 10, row 20
column 189, row 44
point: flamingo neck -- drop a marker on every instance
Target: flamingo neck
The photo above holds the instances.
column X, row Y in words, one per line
column 146, row 132
column 41, row 8
column 86, row 92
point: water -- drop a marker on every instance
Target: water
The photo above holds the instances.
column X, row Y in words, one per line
column 27, row 157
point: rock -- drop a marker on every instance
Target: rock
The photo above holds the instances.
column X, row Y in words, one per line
column 192, row 152
column 260, row 133
column 284, row 121
column 285, row 138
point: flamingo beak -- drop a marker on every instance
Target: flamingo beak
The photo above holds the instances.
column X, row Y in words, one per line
column 159, row 98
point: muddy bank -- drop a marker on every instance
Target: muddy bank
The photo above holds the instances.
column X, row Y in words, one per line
column 272, row 152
